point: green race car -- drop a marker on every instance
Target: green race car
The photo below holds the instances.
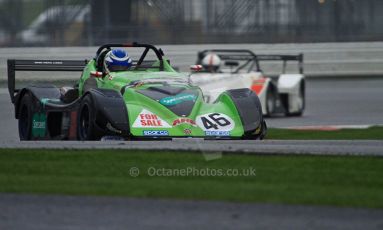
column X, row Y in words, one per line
column 150, row 100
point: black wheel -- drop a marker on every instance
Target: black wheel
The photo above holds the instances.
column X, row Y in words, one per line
column 263, row 133
column 302, row 100
column 259, row 135
column 86, row 126
column 270, row 100
column 25, row 117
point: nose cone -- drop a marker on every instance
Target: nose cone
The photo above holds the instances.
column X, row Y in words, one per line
column 179, row 100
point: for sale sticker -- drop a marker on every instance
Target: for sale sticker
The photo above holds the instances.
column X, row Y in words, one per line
column 147, row 119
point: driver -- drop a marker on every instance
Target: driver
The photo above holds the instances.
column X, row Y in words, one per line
column 211, row 63
column 117, row 60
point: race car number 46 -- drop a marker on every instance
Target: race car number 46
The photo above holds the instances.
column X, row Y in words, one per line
column 215, row 121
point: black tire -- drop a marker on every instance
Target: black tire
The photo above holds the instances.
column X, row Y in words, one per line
column 303, row 98
column 270, row 100
column 25, row 117
column 260, row 136
column 86, row 122
column 263, row 133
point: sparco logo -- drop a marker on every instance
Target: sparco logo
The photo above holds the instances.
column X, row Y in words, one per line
column 156, row 133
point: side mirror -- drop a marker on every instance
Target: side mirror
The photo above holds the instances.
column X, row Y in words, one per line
column 196, row 68
column 96, row 74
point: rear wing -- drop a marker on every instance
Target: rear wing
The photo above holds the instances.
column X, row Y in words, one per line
column 248, row 55
column 284, row 58
column 39, row 65
column 228, row 54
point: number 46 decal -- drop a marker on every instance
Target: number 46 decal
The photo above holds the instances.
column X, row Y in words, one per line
column 215, row 122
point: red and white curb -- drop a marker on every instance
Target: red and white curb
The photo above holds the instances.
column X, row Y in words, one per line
column 330, row 127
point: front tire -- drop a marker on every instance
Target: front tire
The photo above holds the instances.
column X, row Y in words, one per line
column 86, row 122
column 270, row 100
column 25, row 117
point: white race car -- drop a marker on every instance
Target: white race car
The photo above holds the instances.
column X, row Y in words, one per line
column 240, row 69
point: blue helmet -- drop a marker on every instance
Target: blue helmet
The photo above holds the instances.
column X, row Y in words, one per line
column 117, row 60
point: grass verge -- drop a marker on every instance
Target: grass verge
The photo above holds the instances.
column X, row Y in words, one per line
column 312, row 180
column 373, row 133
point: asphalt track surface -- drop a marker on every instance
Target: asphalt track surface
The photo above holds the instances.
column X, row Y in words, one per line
column 33, row 212
column 356, row 101
column 339, row 102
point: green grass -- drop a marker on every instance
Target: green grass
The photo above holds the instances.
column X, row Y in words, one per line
column 373, row 133
column 313, row 180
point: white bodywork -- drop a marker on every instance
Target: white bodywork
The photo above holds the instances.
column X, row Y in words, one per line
column 290, row 84
column 213, row 84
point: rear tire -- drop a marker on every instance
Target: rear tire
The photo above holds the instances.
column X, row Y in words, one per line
column 270, row 100
column 86, row 122
column 25, row 117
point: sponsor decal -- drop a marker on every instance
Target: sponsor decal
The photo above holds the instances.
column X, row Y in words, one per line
column 38, row 125
column 147, row 119
column 215, row 122
column 49, row 62
column 44, row 101
column 180, row 121
column 155, row 133
column 187, row 131
column 217, row 133
column 258, row 85
column 174, row 100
